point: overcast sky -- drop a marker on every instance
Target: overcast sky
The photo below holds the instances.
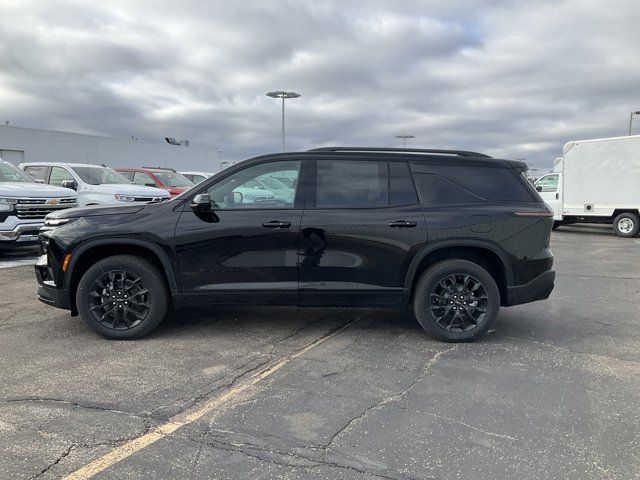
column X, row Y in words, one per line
column 514, row 79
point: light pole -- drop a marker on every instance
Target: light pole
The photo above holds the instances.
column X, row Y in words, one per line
column 404, row 139
column 631, row 120
column 283, row 96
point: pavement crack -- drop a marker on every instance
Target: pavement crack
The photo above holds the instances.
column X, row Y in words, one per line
column 70, row 403
column 390, row 398
column 54, row 463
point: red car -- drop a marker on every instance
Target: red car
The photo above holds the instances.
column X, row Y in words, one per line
column 166, row 178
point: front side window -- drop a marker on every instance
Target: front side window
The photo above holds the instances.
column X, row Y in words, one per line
column 99, row 175
column 247, row 188
column 352, row 184
column 173, row 179
column 548, row 183
column 59, row 175
column 36, row 172
column 141, row 178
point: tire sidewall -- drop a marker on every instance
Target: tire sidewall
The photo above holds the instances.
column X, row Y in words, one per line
column 151, row 280
column 432, row 276
column 636, row 225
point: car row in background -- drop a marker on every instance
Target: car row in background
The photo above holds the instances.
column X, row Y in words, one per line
column 24, row 203
column 165, row 178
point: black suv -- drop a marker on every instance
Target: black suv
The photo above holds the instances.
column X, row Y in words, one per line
column 454, row 234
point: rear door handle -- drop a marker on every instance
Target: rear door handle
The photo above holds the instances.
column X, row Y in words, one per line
column 557, row 196
column 276, row 224
column 402, row 224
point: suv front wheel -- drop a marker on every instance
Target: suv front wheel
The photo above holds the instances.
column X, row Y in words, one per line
column 122, row 297
column 456, row 300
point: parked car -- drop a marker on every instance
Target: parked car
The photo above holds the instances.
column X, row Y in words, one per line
column 165, row 178
column 453, row 234
column 24, row 204
column 596, row 181
column 196, row 177
column 95, row 184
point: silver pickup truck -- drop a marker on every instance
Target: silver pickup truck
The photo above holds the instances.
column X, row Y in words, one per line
column 24, row 204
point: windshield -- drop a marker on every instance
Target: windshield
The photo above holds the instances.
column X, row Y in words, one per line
column 99, row 175
column 9, row 173
column 173, row 179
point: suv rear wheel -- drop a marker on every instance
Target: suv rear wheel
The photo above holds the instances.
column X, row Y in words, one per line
column 122, row 297
column 456, row 300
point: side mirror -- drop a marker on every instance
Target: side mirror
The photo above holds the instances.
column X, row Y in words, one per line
column 238, row 197
column 201, row 203
column 69, row 184
column 149, row 184
column 538, row 188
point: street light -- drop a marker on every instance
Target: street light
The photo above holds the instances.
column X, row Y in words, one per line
column 404, row 139
column 283, row 96
column 631, row 120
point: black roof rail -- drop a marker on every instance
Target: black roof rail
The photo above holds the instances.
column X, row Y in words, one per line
column 460, row 153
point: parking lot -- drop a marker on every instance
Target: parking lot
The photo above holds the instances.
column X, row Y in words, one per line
column 551, row 392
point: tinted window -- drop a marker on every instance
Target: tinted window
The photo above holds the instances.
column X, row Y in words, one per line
column 436, row 190
column 173, row 179
column 36, row 172
column 59, row 175
column 499, row 184
column 243, row 189
column 352, row 184
column 402, row 189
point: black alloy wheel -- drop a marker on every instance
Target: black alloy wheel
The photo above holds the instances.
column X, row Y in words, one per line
column 122, row 297
column 119, row 300
column 458, row 302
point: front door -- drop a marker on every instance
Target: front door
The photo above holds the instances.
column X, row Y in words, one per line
column 245, row 249
column 550, row 189
column 360, row 231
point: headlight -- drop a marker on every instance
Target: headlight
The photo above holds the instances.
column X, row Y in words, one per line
column 56, row 222
column 7, row 204
column 124, row 198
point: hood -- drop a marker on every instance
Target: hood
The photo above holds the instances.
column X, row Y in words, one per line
column 127, row 189
column 97, row 210
column 35, row 190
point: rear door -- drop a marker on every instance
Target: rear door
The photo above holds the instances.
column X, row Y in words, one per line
column 360, row 230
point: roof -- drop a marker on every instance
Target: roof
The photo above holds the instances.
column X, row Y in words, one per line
column 62, row 164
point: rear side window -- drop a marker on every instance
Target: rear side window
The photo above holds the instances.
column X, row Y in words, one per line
column 352, row 184
column 498, row 184
column 402, row 191
column 437, row 191
column 36, row 172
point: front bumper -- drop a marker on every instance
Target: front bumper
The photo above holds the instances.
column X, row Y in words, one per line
column 537, row 289
column 21, row 234
column 48, row 292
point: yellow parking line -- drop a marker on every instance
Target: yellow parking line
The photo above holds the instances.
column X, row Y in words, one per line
column 182, row 419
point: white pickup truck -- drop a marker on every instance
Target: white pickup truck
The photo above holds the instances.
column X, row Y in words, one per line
column 596, row 181
column 24, row 204
column 95, row 184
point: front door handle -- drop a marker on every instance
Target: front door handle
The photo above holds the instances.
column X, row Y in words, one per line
column 402, row 224
column 557, row 196
column 276, row 224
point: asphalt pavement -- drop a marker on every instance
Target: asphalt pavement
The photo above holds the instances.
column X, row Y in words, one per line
column 551, row 392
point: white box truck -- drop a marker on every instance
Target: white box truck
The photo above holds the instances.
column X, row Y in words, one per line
column 596, row 181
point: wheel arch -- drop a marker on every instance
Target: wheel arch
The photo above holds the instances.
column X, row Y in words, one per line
column 88, row 253
column 485, row 254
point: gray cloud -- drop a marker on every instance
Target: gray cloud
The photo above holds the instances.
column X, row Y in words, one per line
column 513, row 78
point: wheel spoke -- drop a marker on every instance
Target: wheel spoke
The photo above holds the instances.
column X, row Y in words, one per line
column 458, row 302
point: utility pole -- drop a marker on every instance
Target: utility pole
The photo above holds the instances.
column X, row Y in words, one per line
column 283, row 95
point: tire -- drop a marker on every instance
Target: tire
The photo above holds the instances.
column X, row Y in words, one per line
column 556, row 224
column 111, row 285
column 433, row 301
column 626, row 224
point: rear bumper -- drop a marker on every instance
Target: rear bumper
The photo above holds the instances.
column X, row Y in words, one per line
column 537, row 289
